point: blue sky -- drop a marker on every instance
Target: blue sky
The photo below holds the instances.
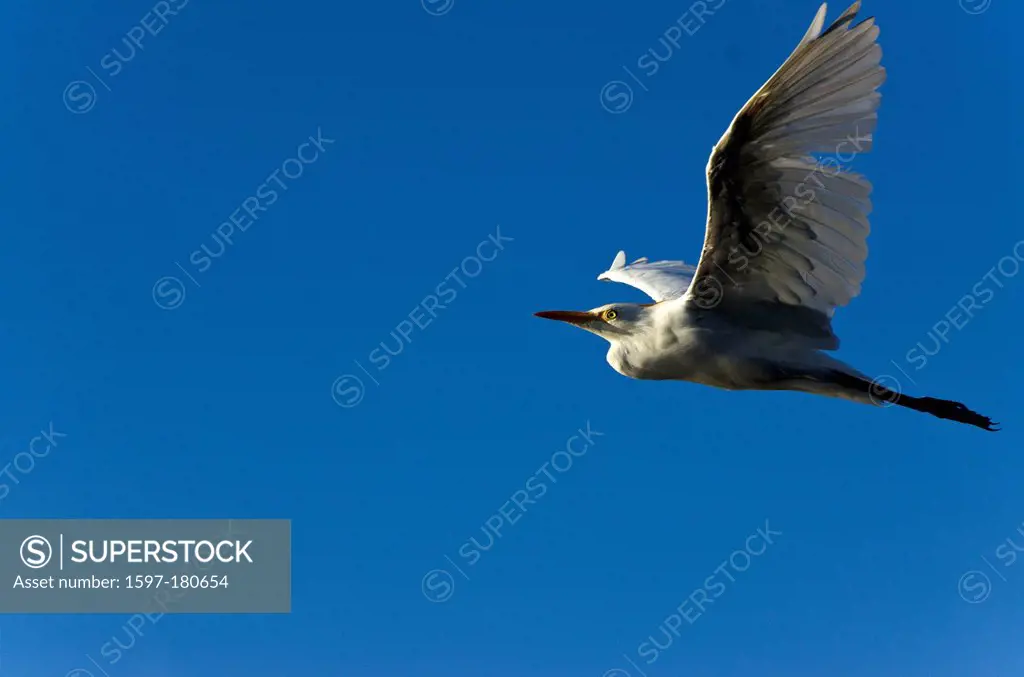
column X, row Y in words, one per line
column 474, row 154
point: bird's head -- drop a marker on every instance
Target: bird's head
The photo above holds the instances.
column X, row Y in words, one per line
column 612, row 322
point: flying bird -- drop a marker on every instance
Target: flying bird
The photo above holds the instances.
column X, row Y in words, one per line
column 785, row 242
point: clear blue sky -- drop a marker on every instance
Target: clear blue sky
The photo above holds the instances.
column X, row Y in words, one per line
column 444, row 129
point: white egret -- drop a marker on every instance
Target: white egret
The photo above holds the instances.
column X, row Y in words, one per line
column 784, row 245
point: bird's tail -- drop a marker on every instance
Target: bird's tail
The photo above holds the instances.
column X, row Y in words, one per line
column 881, row 395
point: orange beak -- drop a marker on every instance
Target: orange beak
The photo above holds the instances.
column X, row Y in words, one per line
column 570, row 316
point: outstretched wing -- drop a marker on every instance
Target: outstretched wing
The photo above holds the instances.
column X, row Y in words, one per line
column 661, row 280
column 785, row 228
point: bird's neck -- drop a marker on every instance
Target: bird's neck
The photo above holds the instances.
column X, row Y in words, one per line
column 632, row 355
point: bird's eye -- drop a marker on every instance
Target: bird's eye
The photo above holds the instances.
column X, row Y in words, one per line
column 610, row 315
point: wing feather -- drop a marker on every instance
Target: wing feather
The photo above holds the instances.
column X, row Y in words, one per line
column 661, row 280
column 784, row 228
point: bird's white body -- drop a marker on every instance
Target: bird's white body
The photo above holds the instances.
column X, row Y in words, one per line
column 785, row 241
column 687, row 344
